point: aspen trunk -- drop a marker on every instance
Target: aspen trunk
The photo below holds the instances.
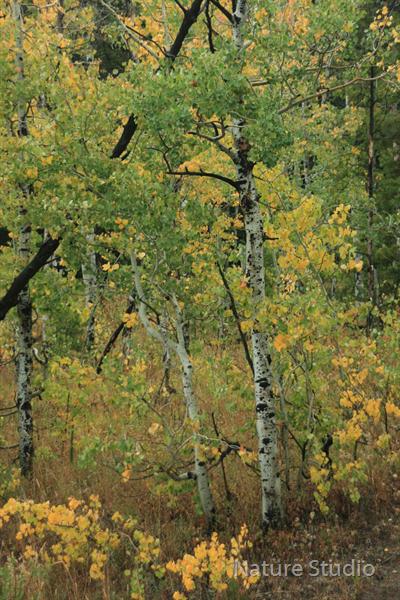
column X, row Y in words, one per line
column 24, row 306
column 166, row 356
column 89, row 276
column 24, row 377
column 372, row 273
column 180, row 348
column 200, row 468
column 264, row 397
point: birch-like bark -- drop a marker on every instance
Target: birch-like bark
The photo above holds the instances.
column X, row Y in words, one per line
column 180, row 348
column 24, row 304
column 264, row 397
column 24, row 369
column 372, row 273
column 200, row 467
column 89, row 276
column 166, row 355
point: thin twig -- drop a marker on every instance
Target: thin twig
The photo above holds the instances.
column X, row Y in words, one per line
column 237, row 317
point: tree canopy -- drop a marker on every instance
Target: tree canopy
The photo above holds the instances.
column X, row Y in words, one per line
column 199, row 284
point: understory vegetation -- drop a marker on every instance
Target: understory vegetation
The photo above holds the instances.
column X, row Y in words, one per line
column 199, row 298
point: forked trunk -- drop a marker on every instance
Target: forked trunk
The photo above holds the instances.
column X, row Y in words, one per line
column 180, row 348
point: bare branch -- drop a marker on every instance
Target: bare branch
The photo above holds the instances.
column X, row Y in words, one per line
column 224, row 11
column 183, row 9
column 190, row 17
column 327, row 91
column 210, row 30
column 237, row 317
column 129, row 31
column 10, row 299
column 215, row 140
column 201, row 173
column 113, row 338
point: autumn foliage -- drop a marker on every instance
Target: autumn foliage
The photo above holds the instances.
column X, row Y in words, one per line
column 198, row 291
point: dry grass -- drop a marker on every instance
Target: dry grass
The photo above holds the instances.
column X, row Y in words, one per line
column 368, row 531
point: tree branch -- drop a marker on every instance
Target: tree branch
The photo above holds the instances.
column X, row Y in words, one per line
column 126, row 136
column 228, row 492
column 152, row 331
column 325, row 91
column 113, row 338
column 215, row 140
column 190, row 17
column 209, row 28
column 202, row 173
column 224, row 11
column 9, row 447
column 183, row 9
column 237, row 317
column 10, row 299
column 129, row 31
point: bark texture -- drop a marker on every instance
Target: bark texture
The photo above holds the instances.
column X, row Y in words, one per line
column 180, row 349
column 372, row 272
column 89, row 275
column 200, row 467
column 24, row 382
column 255, row 269
column 24, row 304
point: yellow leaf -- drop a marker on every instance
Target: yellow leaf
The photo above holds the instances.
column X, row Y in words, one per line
column 32, row 173
column 126, row 475
column 130, row 319
column 357, row 265
column 47, row 160
column 154, row 427
column 280, row 342
column 246, row 325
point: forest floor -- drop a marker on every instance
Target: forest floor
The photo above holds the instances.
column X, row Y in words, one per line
column 368, row 532
column 377, row 544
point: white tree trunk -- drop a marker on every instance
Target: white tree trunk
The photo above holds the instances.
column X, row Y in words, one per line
column 180, row 348
column 166, row 355
column 24, row 380
column 24, row 306
column 255, row 268
column 89, row 276
column 200, row 467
